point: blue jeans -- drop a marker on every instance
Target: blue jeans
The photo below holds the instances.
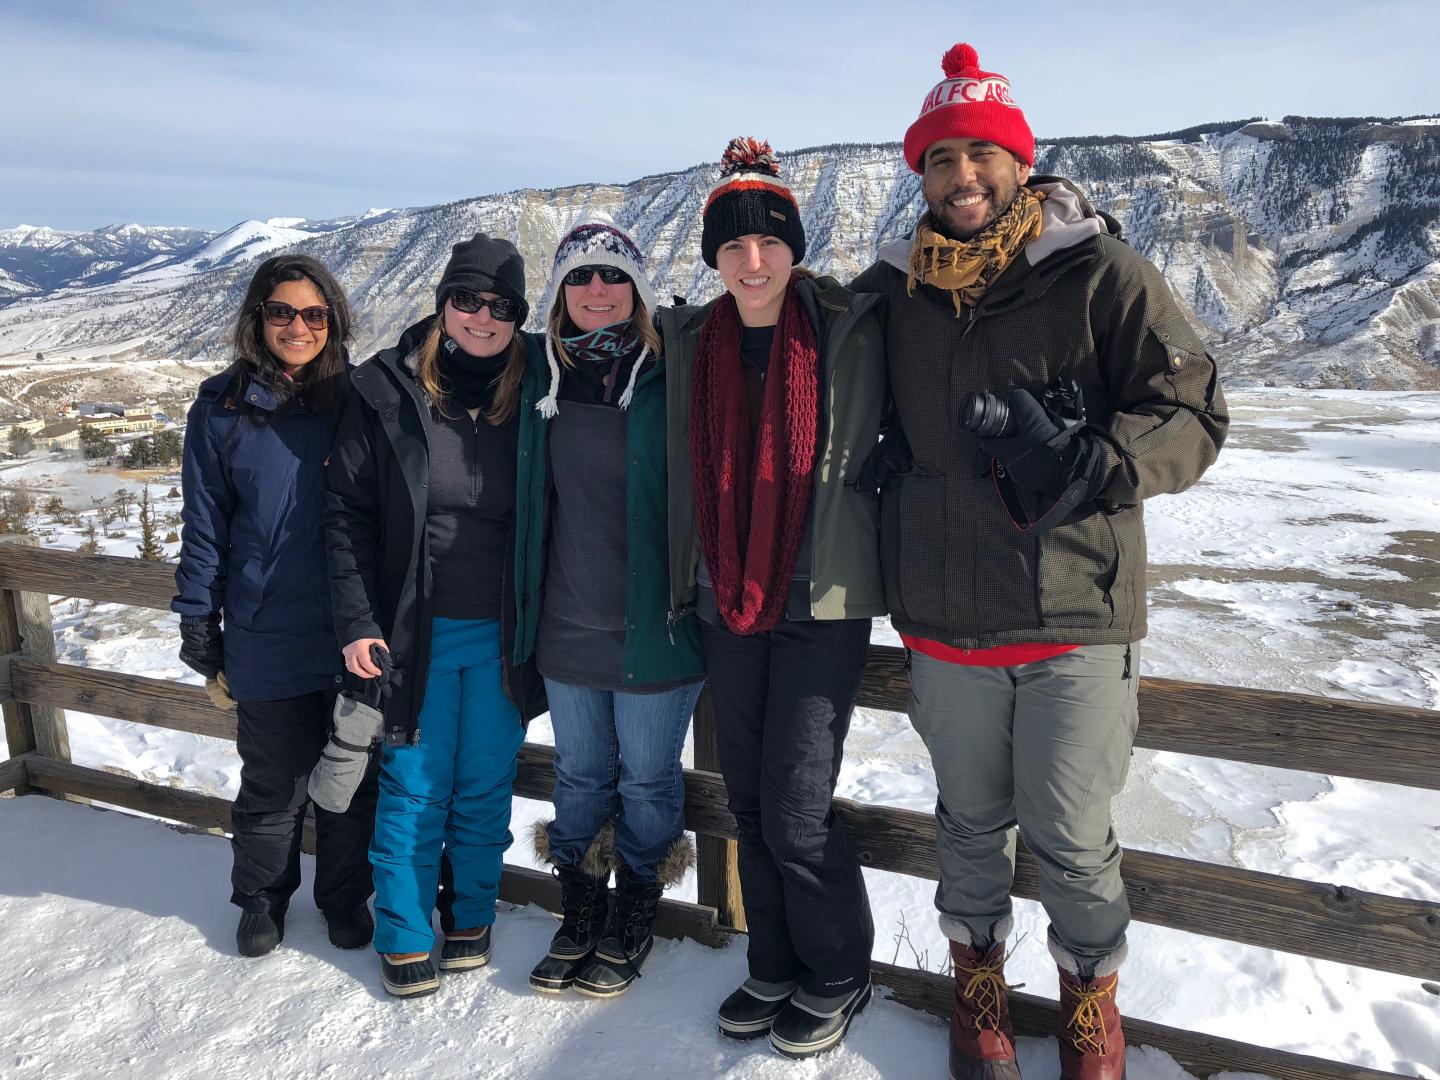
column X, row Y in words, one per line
column 617, row 756
column 450, row 790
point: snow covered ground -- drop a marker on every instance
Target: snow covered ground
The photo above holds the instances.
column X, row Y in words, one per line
column 1308, row 560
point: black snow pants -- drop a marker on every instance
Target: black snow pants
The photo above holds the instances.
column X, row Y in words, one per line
column 783, row 701
column 279, row 743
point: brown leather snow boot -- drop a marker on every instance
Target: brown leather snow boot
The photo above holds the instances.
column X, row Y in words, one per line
column 982, row 1042
column 1092, row 1045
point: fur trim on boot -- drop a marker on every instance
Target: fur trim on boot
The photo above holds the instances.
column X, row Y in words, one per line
column 959, row 933
column 1067, row 961
column 599, row 857
column 670, row 870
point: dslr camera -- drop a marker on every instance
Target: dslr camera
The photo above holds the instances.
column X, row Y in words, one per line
column 987, row 416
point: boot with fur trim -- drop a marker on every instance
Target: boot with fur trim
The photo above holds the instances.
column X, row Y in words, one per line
column 1092, row 1042
column 671, row 868
column 982, row 1039
column 599, row 858
column 584, row 905
column 629, row 935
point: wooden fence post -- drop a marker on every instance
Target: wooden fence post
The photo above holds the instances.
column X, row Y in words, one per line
column 26, row 627
column 717, row 865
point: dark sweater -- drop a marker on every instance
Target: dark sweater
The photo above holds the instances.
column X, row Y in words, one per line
column 581, row 636
column 470, row 502
column 755, row 345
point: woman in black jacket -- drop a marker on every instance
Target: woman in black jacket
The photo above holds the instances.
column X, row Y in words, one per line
column 420, row 523
column 253, row 549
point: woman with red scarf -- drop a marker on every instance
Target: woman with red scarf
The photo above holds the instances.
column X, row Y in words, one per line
column 775, row 394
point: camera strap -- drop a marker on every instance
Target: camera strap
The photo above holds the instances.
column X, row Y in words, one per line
column 1079, row 490
column 1063, row 507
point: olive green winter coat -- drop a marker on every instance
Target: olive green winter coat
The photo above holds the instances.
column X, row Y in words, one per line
column 1077, row 302
column 845, row 581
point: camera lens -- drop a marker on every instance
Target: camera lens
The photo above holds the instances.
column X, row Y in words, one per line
column 986, row 415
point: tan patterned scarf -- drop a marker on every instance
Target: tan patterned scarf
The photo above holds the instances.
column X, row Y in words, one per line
column 966, row 268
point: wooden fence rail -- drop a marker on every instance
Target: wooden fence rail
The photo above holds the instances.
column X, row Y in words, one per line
column 1357, row 739
column 1287, row 730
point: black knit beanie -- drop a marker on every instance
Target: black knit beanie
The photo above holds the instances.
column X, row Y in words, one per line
column 485, row 264
column 749, row 199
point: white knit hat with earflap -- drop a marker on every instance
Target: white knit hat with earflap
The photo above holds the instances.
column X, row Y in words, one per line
column 593, row 243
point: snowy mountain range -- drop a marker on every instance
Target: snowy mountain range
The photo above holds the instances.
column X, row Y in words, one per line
column 1308, row 249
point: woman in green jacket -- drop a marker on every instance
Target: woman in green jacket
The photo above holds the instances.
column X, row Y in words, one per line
column 593, row 603
column 776, row 391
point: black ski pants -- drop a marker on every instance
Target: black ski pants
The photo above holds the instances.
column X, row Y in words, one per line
column 279, row 743
column 783, row 701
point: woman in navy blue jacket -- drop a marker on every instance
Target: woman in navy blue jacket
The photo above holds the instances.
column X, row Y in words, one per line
column 253, row 551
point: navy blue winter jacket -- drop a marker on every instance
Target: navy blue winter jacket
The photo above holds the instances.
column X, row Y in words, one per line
column 253, row 543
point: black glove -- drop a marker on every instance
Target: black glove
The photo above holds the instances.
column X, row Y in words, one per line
column 202, row 646
column 391, row 674
column 1032, row 457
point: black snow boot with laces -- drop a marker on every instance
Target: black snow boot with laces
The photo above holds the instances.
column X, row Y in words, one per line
column 584, row 903
column 626, row 943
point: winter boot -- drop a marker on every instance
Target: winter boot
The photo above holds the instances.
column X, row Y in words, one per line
column 409, row 974
column 584, row 905
column 465, row 949
column 802, row 1030
column 750, row 1010
column 627, row 939
column 259, row 932
column 1092, row 1044
column 982, row 1040
column 350, row 928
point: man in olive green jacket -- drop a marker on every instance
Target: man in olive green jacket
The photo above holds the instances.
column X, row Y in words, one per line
column 1014, row 544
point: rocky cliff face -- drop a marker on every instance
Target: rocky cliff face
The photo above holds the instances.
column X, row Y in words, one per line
column 1308, row 249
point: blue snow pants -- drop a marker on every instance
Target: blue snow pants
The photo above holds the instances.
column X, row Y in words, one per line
column 450, row 790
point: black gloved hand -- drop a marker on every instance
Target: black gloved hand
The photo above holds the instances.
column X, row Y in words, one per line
column 1028, row 456
column 202, row 646
column 391, row 674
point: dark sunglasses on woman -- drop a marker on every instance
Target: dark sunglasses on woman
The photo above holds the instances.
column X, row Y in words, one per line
column 281, row 314
column 610, row 275
column 468, row 303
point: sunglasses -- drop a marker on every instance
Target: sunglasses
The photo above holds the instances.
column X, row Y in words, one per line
column 468, row 303
column 279, row 314
column 610, row 275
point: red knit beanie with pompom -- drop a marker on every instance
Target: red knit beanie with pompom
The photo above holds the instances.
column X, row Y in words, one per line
column 969, row 104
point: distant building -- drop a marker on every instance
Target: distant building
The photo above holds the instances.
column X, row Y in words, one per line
column 62, row 436
column 120, row 424
column 19, row 423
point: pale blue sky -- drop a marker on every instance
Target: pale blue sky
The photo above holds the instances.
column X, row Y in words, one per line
column 197, row 113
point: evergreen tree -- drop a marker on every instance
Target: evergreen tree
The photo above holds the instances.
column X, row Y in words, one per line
column 169, row 447
column 15, row 507
column 93, row 445
column 21, row 441
column 124, row 499
column 141, row 455
column 149, row 546
column 91, row 544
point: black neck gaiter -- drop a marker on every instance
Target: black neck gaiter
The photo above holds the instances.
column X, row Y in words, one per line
column 470, row 380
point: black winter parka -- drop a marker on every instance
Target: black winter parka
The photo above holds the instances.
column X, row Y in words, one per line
column 380, row 582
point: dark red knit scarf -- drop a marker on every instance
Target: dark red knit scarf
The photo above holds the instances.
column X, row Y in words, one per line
column 752, row 489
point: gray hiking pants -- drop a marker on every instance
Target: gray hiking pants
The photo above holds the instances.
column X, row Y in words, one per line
column 1045, row 745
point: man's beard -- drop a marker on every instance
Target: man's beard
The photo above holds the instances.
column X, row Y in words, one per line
column 939, row 208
